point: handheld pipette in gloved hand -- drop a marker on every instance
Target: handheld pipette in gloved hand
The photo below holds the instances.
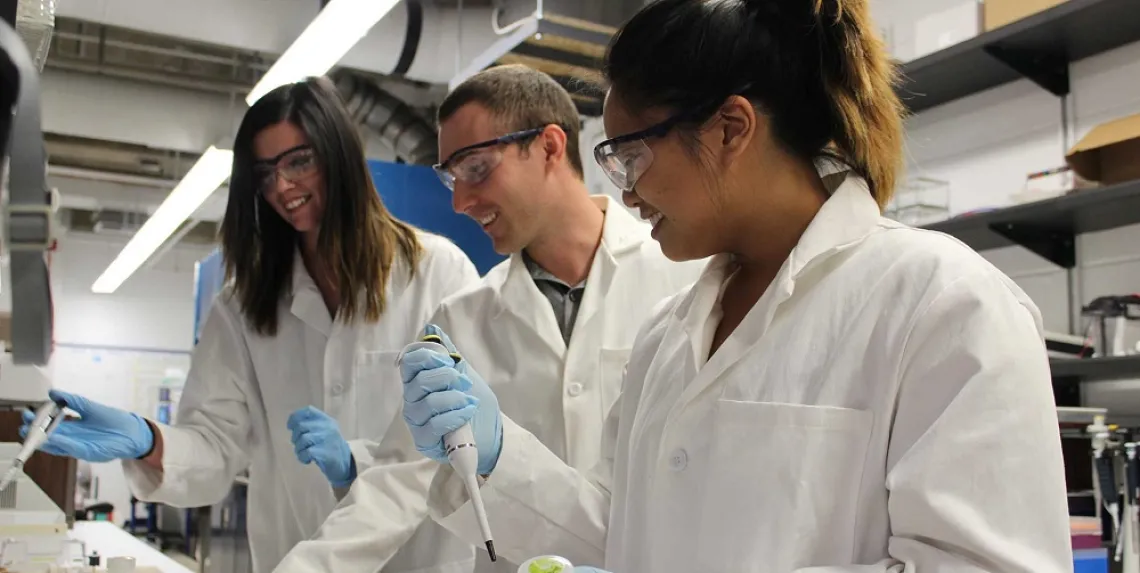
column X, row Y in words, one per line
column 460, row 447
column 48, row 417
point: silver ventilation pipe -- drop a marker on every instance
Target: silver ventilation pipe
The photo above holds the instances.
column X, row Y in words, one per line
column 388, row 118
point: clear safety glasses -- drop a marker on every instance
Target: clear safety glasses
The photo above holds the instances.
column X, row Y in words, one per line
column 293, row 165
column 472, row 164
column 625, row 158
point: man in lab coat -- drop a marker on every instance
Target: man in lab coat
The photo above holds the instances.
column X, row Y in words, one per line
column 550, row 328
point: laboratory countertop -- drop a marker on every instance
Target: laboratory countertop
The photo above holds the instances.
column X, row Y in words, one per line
column 111, row 540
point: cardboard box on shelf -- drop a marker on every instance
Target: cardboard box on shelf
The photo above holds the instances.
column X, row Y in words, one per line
column 1110, row 153
column 998, row 13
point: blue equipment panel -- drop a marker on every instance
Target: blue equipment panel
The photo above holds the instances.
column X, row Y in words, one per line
column 414, row 194
column 208, row 277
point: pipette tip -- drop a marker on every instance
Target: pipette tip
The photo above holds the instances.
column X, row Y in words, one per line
column 491, row 550
column 9, row 477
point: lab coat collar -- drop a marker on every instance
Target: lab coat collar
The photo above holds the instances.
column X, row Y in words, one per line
column 517, row 293
column 845, row 219
column 621, row 232
column 307, row 303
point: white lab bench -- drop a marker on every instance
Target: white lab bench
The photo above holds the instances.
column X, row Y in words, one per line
column 111, row 540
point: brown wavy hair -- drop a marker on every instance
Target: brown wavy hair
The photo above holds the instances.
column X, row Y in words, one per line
column 359, row 239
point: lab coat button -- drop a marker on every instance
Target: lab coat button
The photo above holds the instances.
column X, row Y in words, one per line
column 678, row 460
column 337, row 390
column 574, row 389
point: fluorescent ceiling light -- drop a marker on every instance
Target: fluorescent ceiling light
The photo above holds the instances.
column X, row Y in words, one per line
column 199, row 183
column 335, row 30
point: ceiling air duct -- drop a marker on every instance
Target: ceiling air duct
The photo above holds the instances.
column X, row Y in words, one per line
column 388, row 118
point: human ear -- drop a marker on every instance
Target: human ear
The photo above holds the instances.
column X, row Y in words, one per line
column 553, row 144
column 736, row 125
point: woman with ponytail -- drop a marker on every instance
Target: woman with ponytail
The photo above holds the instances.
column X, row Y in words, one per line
column 838, row 393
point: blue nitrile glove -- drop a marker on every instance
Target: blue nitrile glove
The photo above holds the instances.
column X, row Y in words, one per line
column 440, row 396
column 317, row 439
column 102, row 433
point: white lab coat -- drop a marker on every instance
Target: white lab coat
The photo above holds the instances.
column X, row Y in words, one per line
column 242, row 387
column 506, row 329
column 886, row 406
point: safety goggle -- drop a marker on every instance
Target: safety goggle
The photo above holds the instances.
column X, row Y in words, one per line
column 625, row 158
column 474, row 163
column 293, row 165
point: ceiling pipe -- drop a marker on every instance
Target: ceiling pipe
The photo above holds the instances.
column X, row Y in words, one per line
column 387, row 49
column 387, row 117
column 109, row 177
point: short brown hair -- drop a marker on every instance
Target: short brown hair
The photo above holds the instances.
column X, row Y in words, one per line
column 520, row 98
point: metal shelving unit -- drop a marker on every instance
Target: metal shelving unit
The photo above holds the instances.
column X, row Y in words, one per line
column 1040, row 47
column 1049, row 227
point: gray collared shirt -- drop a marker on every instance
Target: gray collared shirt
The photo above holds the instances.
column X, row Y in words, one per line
column 564, row 298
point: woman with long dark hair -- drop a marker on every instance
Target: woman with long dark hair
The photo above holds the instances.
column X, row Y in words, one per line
column 837, row 393
column 295, row 360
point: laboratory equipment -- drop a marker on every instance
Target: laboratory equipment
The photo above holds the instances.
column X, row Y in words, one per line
column 546, row 564
column 33, row 527
column 1111, row 316
column 47, row 419
column 920, row 201
column 1132, row 470
column 1104, row 465
column 460, row 447
column 1060, row 345
column 120, row 564
column 27, row 211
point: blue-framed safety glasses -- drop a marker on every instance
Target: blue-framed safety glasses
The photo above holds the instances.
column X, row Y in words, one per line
column 472, row 164
column 625, row 158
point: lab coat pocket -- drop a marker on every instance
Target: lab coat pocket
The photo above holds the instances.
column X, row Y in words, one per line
column 782, row 484
column 379, row 393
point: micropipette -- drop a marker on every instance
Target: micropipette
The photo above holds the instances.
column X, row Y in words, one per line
column 460, row 447
column 48, row 416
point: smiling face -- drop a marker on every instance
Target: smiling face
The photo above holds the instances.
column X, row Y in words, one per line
column 289, row 176
column 511, row 198
column 673, row 191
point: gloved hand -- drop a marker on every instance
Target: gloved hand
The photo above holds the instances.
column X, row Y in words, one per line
column 101, row 434
column 317, row 439
column 441, row 396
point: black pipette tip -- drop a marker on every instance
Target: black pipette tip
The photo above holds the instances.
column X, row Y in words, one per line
column 491, row 550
